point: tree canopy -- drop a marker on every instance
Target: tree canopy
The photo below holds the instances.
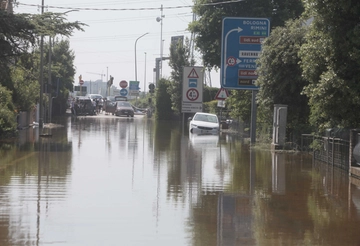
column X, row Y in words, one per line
column 179, row 58
column 280, row 76
column 163, row 101
column 62, row 74
column 208, row 29
column 331, row 63
column 208, row 25
column 19, row 56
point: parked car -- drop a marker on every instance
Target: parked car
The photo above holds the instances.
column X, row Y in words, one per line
column 110, row 105
column 124, row 108
column 83, row 106
column 204, row 123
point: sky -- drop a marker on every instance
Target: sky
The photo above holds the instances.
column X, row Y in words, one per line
column 107, row 45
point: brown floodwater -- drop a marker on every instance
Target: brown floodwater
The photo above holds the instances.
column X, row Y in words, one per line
column 122, row 181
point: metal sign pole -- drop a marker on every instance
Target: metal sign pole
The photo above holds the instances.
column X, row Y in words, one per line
column 253, row 117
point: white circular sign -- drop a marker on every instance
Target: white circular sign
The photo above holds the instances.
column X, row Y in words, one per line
column 192, row 94
column 123, row 84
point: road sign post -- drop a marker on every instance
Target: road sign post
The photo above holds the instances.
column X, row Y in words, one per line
column 192, row 96
column 241, row 46
column 123, row 92
column 134, row 88
column 222, row 94
column 123, row 84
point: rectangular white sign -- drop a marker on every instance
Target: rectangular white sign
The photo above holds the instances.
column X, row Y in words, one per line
column 193, row 79
column 249, row 54
column 221, row 103
column 191, row 107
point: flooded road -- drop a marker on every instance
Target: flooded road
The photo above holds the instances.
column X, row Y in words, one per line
column 132, row 181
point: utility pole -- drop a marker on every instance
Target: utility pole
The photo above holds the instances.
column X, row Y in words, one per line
column 48, row 86
column 160, row 19
column 41, row 121
column 145, row 76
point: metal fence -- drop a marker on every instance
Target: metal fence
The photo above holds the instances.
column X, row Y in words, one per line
column 331, row 150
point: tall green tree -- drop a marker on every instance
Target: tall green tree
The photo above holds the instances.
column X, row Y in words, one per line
column 331, row 63
column 25, row 82
column 7, row 112
column 20, row 35
column 239, row 104
column 62, row 73
column 208, row 29
column 17, row 37
column 179, row 58
column 208, row 25
column 19, row 62
column 280, row 75
column 163, row 101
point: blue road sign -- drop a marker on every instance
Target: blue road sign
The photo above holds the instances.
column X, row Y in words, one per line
column 123, row 92
column 240, row 48
column 134, row 85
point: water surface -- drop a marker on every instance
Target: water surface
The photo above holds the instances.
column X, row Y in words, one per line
column 121, row 181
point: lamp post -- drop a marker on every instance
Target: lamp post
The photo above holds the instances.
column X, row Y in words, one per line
column 160, row 19
column 145, row 76
column 41, row 73
column 135, row 54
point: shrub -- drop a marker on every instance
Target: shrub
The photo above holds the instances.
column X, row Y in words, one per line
column 7, row 112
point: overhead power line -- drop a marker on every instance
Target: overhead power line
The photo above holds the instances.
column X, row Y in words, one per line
column 127, row 9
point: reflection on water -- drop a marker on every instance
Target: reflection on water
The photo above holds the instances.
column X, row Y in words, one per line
column 123, row 181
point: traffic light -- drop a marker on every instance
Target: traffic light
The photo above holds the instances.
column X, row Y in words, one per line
column 151, row 88
column 111, row 81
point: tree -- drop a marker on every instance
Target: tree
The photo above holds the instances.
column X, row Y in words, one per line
column 20, row 33
column 19, row 36
column 7, row 112
column 208, row 26
column 163, row 101
column 62, row 67
column 62, row 74
column 209, row 93
column 25, row 83
column 179, row 58
column 331, row 63
column 280, row 75
column 239, row 103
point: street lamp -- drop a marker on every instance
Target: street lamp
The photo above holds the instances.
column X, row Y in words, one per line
column 41, row 73
column 160, row 19
column 145, row 76
column 135, row 54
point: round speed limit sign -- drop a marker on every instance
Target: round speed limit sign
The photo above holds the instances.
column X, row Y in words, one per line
column 192, row 94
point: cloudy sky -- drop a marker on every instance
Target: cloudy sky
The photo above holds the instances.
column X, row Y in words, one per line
column 107, row 46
